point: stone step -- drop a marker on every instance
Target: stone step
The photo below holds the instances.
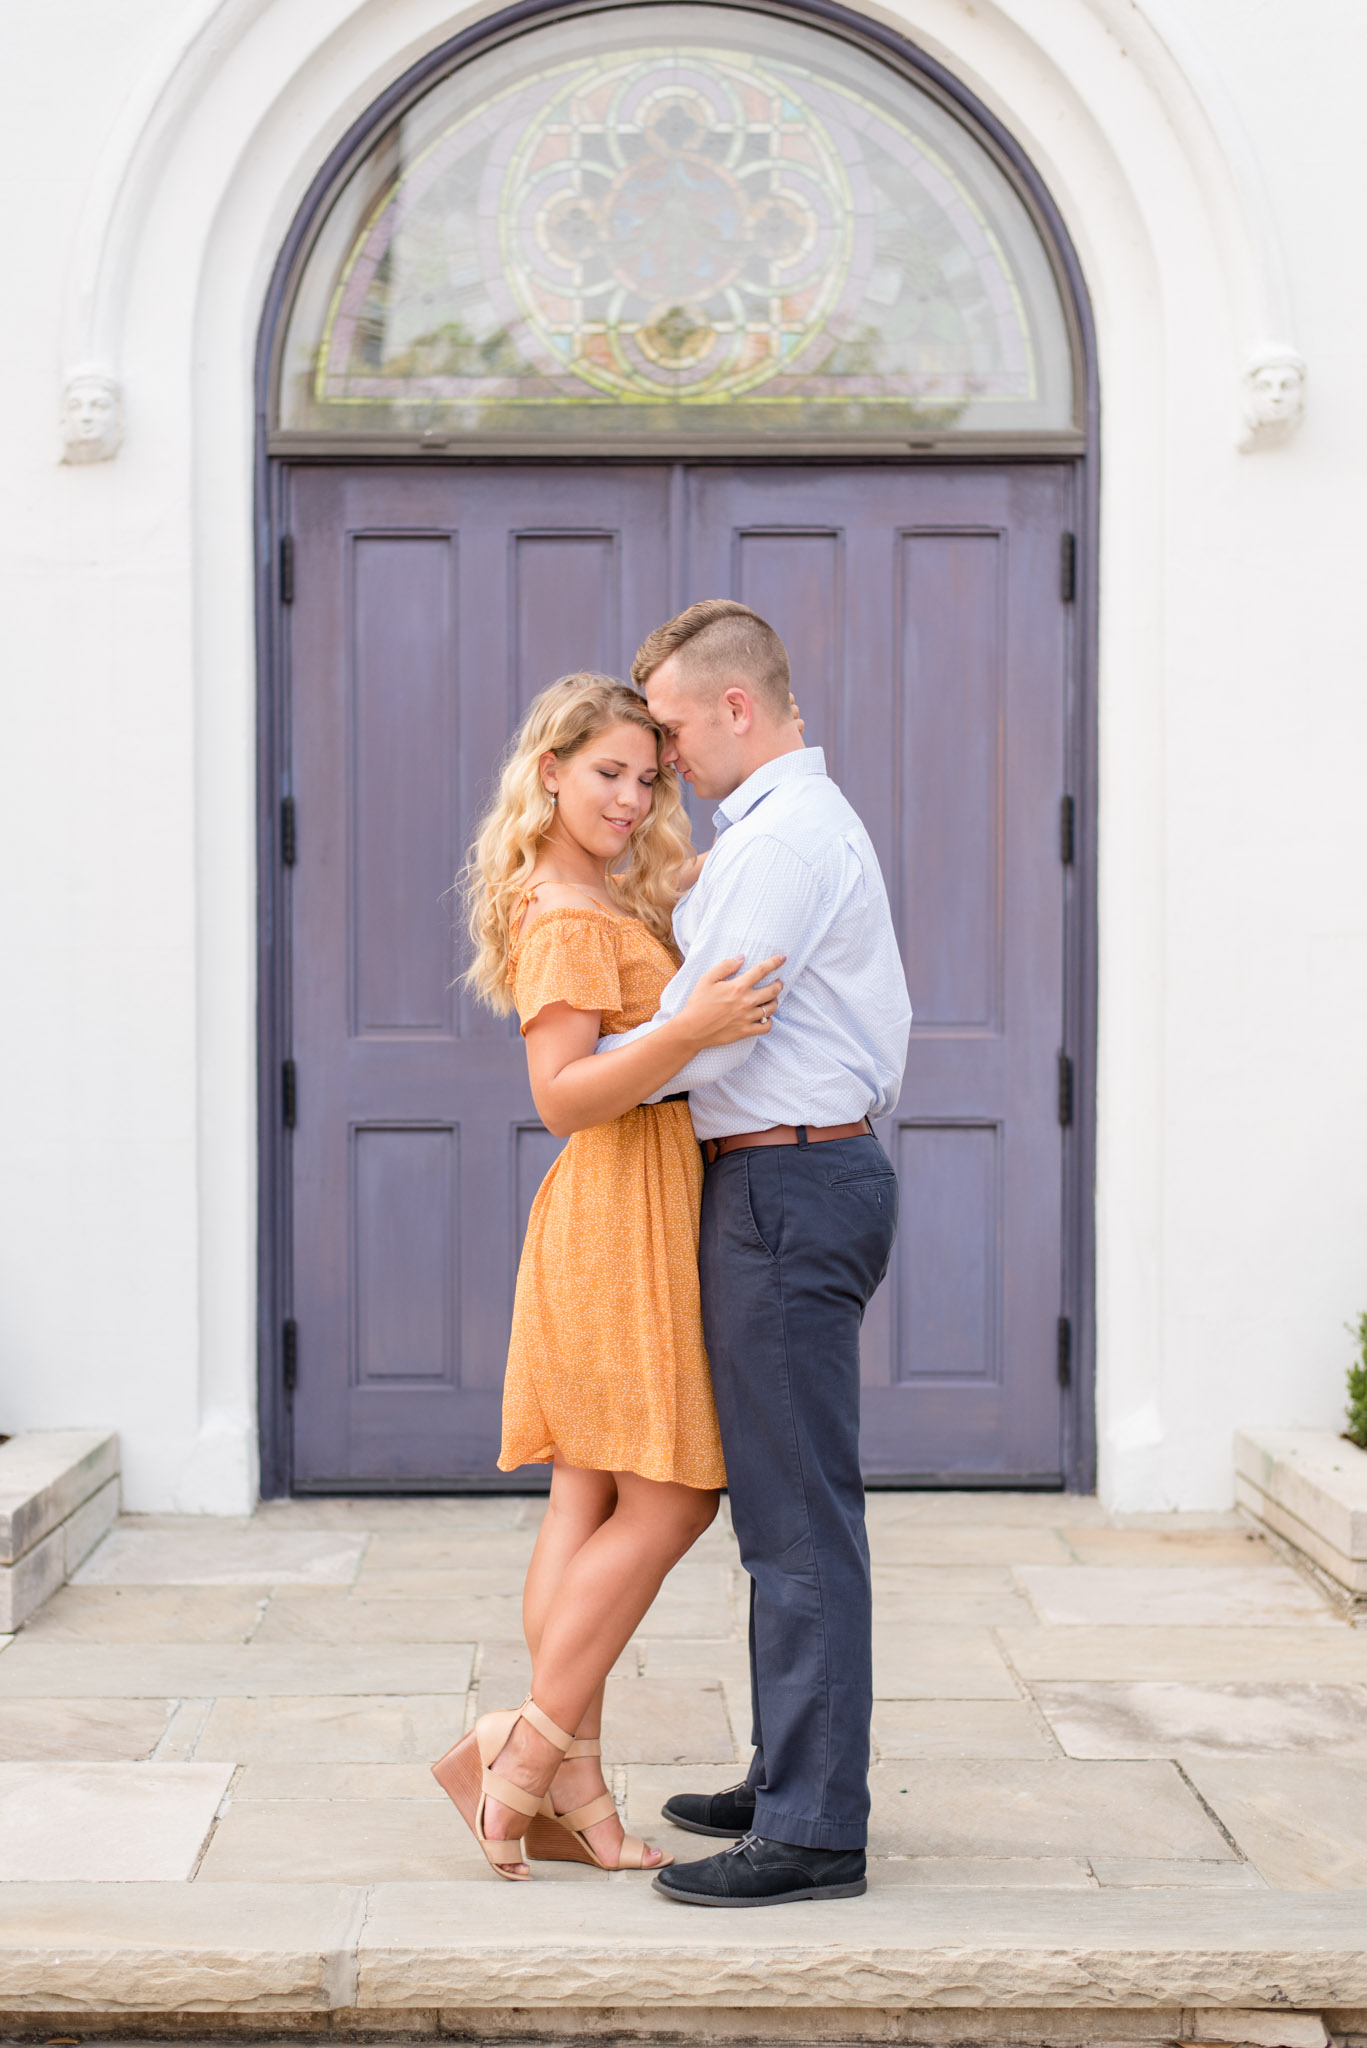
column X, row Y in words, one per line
column 404, row 1950
column 59, row 1494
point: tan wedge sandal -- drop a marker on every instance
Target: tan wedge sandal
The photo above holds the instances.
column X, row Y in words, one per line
column 466, row 1777
column 560, row 1838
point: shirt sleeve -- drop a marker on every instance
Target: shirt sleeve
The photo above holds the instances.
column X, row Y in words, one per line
column 567, row 957
column 769, row 901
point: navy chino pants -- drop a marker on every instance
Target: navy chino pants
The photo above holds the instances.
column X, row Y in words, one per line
column 795, row 1238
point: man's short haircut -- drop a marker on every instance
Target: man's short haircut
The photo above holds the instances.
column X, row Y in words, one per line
column 718, row 640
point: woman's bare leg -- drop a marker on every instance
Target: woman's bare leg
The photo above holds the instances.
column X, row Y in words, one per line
column 579, row 1504
column 605, row 1589
column 581, row 1501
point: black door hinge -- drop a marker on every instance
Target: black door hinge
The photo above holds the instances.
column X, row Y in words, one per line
column 1067, row 829
column 289, row 1352
column 1065, row 1352
column 289, row 840
column 1067, row 568
column 1065, row 1089
column 289, row 1094
column 287, row 568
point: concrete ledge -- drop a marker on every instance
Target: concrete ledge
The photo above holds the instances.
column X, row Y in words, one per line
column 1309, row 1487
column 454, row 1949
column 59, row 1493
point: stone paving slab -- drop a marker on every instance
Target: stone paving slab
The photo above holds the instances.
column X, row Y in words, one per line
column 1165, row 1873
column 897, row 1946
column 947, row 1663
column 894, row 1612
column 282, row 1783
column 984, row 1873
column 344, row 1841
column 465, row 1548
column 250, row 1554
column 656, row 1721
column 1277, row 1655
column 1182, row 1546
column 968, row 1543
column 149, row 1614
column 470, row 1946
column 178, row 1948
column 1202, row 1596
column 478, row 1515
column 896, row 1510
column 81, row 1731
column 92, row 1671
column 981, row 1728
column 1301, row 1821
column 1163, row 1718
column 117, row 1823
column 982, row 1807
column 299, row 1617
column 352, row 1729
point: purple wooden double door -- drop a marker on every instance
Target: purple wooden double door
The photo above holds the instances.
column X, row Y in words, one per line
column 923, row 612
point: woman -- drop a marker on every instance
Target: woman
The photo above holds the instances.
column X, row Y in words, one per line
column 571, row 886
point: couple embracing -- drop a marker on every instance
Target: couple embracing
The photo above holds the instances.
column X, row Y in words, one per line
column 699, row 1258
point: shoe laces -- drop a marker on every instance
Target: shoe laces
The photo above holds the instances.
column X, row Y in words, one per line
column 745, row 1842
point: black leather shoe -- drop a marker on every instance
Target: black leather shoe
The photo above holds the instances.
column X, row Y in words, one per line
column 727, row 1813
column 756, row 1872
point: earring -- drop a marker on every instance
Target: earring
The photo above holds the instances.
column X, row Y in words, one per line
column 555, row 801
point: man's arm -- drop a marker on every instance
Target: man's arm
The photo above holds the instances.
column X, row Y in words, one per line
column 764, row 900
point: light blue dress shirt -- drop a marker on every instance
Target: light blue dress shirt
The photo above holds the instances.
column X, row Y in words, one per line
column 793, row 871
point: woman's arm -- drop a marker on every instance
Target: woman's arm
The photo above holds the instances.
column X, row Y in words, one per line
column 573, row 1091
column 688, row 874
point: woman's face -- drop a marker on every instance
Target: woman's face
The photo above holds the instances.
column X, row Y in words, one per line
column 604, row 791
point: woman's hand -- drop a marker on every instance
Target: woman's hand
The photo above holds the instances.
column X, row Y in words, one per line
column 727, row 1005
column 798, row 720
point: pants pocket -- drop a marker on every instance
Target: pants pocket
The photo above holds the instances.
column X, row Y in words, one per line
column 764, row 1200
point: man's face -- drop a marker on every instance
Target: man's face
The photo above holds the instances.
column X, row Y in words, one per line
column 704, row 731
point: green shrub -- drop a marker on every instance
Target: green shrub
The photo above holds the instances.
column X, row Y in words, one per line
column 1356, row 1431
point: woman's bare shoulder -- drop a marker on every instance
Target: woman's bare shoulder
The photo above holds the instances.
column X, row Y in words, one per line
column 540, row 897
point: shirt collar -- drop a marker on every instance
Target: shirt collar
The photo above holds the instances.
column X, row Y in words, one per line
column 783, row 768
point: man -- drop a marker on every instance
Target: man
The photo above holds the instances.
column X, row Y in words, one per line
column 798, row 1218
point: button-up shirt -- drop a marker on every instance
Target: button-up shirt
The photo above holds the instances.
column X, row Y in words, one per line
column 793, row 871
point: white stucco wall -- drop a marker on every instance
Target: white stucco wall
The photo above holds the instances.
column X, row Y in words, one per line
column 1232, row 1208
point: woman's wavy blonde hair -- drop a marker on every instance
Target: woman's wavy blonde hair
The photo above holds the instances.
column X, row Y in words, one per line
column 564, row 718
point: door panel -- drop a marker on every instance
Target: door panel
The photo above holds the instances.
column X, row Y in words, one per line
column 922, row 612
column 430, row 607
column 936, row 595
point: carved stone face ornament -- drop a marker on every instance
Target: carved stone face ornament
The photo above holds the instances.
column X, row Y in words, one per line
column 1274, row 399
column 92, row 416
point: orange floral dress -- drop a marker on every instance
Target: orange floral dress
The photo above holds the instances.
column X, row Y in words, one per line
column 607, row 1366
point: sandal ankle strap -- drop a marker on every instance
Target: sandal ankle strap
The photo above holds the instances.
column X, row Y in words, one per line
column 544, row 1725
column 584, row 1745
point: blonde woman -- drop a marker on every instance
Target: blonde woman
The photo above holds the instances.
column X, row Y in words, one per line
column 571, row 886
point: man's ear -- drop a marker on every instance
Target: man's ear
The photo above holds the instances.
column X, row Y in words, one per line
column 738, row 708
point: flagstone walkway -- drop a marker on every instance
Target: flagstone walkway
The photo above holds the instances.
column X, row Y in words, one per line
column 1132, row 1734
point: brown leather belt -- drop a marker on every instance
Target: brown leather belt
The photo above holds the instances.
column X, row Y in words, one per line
column 784, row 1134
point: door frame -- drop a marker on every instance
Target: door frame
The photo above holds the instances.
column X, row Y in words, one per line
column 273, row 462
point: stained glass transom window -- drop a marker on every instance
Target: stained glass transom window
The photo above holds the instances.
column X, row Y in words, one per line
column 682, row 221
